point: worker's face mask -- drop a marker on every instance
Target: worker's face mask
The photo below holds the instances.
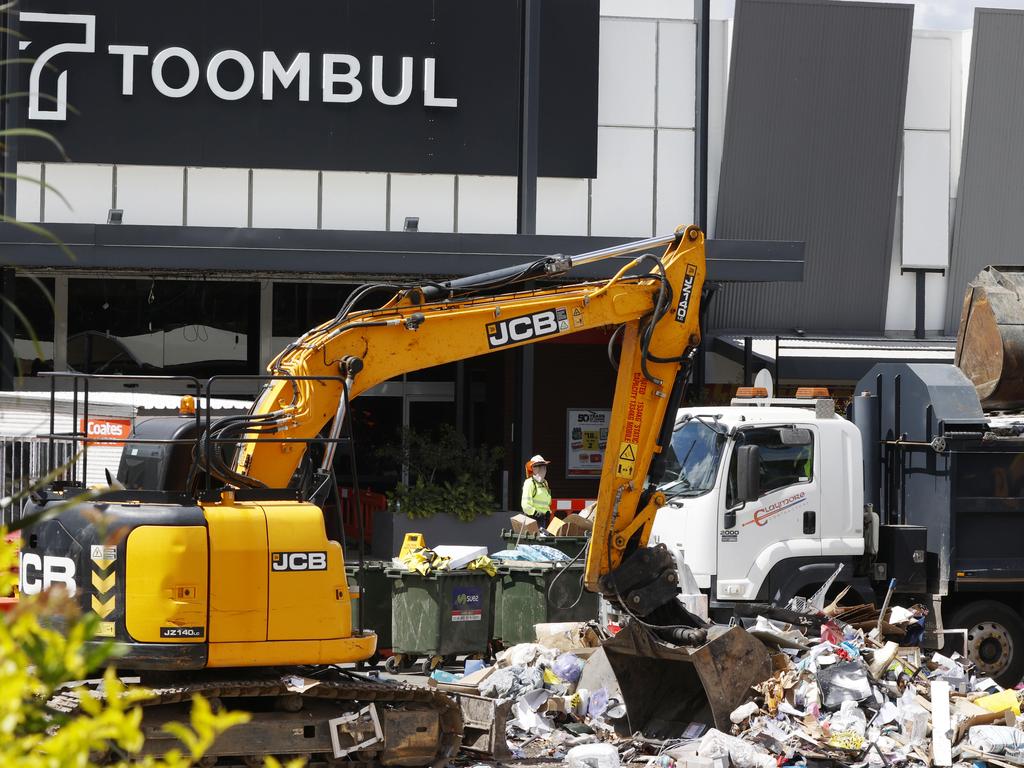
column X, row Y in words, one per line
column 540, row 471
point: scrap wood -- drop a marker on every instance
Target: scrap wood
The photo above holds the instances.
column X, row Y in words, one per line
column 1003, row 761
column 942, row 747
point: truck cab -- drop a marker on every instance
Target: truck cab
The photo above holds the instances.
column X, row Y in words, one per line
column 765, row 497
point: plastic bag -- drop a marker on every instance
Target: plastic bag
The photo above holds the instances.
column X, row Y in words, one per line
column 849, row 719
column 742, row 754
column 569, row 667
column 995, row 739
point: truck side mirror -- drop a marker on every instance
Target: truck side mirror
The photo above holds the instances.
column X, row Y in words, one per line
column 748, row 473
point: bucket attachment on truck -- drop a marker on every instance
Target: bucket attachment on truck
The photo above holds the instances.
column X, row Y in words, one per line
column 990, row 340
column 666, row 687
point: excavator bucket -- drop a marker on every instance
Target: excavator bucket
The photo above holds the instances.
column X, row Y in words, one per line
column 668, row 687
column 990, row 340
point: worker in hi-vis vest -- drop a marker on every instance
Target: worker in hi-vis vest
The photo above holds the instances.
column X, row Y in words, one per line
column 536, row 491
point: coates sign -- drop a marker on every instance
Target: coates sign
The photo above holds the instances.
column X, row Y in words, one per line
column 424, row 86
column 105, row 431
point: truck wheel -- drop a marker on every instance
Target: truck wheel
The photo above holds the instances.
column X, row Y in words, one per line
column 995, row 640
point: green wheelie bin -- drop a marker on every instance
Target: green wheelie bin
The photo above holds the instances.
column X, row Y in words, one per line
column 538, row 593
column 373, row 588
column 441, row 615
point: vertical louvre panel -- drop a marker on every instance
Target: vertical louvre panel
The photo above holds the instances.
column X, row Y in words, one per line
column 812, row 151
column 989, row 224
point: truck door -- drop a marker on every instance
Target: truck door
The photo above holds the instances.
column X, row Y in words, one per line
column 782, row 523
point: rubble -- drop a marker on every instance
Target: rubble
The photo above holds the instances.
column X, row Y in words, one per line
column 844, row 692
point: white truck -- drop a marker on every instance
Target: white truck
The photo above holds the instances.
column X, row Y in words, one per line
column 768, row 497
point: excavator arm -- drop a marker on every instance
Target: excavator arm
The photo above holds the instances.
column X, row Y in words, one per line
column 656, row 312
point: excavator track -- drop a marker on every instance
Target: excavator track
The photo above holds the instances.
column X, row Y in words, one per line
column 292, row 714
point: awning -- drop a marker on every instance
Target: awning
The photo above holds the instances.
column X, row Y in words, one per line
column 829, row 358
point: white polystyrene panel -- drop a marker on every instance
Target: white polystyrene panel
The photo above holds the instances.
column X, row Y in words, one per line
column 285, row 199
column 218, row 197
column 928, row 84
column 355, row 200
column 926, row 198
column 487, row 204
column 677, row 41
column 650, row 9
column 87, row 190
column 675, row 180
column 151, row 194
column 429, row 197
column 562, row 206
column 626, row 72
column 29, row 192
column 623, row 193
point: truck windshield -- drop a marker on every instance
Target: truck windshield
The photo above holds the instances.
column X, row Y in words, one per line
column 692, row 459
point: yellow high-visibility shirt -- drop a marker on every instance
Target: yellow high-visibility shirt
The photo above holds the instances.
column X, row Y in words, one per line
column 536, row 500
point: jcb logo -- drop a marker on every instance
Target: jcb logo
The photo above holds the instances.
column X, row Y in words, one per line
column 298, row 561
column 684, row 294
column 516, row 329
column 39, row 572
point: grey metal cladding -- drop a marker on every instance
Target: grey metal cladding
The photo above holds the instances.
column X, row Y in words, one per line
column 989, row 220
column 813, row 141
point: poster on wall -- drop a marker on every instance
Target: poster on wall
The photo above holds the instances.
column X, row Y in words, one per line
column 586, row 439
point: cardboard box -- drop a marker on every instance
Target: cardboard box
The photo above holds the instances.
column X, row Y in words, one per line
column 571, row 525
column 524, row 524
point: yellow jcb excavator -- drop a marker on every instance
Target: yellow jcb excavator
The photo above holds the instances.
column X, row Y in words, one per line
column 214, row 573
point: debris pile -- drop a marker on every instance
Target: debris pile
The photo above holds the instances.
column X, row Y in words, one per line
column 844, row 692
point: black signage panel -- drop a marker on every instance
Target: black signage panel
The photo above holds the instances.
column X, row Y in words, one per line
column 419, row 86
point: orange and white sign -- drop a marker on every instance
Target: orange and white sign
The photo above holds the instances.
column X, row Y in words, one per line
column 105, row 429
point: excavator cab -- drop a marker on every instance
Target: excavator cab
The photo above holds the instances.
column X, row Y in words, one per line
column 990, row 340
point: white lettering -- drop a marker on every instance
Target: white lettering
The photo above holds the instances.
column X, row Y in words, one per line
column 377, row 82
column 318, row 561
column 158, row 72
column 545, row 323
column 213, row 75
column 430, row 99
column 55, row 570
column 128, row 54
column 333, row 78
column 272, row 67
column 520, row 328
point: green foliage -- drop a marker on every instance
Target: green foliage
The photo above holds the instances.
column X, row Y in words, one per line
column 446, row 475
column 36, row 661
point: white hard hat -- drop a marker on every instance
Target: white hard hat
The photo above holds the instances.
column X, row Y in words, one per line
column 538, row 459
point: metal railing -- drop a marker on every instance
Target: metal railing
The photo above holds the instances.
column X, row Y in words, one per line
column 26, row 460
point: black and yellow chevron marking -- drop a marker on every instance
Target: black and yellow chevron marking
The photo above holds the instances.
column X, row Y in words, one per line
column 104, row 580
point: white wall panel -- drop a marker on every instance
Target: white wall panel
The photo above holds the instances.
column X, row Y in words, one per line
column 88, row 190
column 29, row 193
column 430, row 197
column 562, row 206
column 355, row 200
column 626, row 72
column 218, row 197
column 928, row 84
column 487, row 204
column 718, row 83
column 677, row 43
column 899, row 310
column 285, row 199
column 151, row 194
column 675, row 180
column 926, row 196
column 623, row 192
column 650, row 9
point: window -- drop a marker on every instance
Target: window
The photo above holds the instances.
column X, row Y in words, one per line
column 692, row 459
column 33, row 345
column 179, row 327
column 784, row 461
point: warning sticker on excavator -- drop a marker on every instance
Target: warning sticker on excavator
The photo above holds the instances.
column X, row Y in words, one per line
column 577, row 317
column 627, row 460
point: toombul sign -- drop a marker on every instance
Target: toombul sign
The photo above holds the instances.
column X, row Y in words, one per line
column 395, row 85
